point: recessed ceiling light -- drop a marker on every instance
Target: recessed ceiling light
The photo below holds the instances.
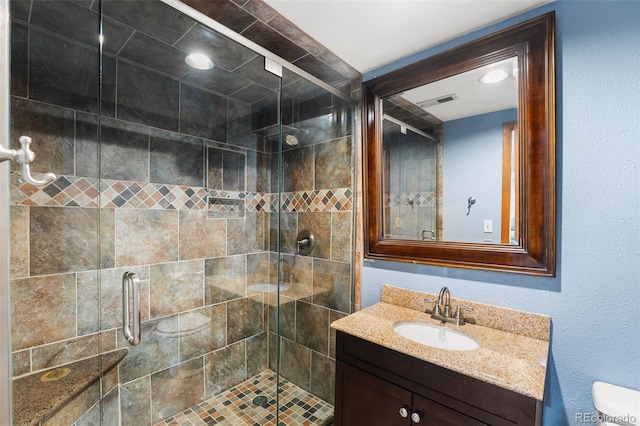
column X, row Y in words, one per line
column 494, row 76
column 199, row 61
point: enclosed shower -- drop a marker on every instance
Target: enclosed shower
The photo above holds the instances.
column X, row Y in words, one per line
column 185, row 264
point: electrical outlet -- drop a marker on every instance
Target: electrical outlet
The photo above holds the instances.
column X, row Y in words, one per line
column 488, row 226
column 398, row 222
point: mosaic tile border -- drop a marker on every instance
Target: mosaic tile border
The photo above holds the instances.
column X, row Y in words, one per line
column 155, row 196
column 72, row 191
column 408, row 199
column 65, row 191
column 324, row 200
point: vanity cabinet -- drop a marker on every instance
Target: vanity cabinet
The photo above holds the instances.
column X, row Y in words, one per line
column 368, row 400
column 375, row 385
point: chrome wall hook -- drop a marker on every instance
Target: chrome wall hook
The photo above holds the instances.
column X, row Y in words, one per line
column 25, row 156
column 471, row 201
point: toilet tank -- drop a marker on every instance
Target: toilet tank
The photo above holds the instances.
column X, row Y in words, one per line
column 616, row 405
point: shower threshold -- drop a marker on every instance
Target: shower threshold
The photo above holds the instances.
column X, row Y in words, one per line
column 252, row 403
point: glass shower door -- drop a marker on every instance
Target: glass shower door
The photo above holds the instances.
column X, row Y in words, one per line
column 314, row 250
column 185, row 183
column 55, row 245
column 185, row 148
column 411, row 183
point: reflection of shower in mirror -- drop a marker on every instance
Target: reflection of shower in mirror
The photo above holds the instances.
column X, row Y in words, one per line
column 292, row 138
column 471, row 201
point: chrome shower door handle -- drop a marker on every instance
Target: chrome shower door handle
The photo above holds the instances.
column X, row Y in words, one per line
column 431, row 231
column 131, row 284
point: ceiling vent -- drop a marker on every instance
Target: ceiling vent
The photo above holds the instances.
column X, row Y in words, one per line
column 437, row 101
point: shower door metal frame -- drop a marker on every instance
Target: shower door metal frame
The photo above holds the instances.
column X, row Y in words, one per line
column 5, row 307
column 239, row 38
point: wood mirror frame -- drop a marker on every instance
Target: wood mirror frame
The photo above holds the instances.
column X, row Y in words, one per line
column 534, row 45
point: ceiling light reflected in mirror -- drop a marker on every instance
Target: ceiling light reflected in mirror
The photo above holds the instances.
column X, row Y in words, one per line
column 464, row 95
column 494, row 76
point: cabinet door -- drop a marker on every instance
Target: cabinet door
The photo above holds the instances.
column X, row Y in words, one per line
column 363, row 399
column 433, row 414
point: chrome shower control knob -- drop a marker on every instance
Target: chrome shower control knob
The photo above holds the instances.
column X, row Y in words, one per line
column 415, row 417
column 403, row 412
column 305, row 242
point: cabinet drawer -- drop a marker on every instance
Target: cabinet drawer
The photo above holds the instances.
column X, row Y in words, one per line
column 434, row 414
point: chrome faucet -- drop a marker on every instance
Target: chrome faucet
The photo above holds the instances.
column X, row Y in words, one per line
column 442, row 309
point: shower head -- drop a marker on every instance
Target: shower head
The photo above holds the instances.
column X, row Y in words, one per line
column 291, row 140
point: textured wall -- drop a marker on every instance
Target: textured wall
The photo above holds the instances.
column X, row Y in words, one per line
column 594, row 301
column 472, row 163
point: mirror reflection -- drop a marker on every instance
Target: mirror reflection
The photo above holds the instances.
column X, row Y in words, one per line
column 450, row 158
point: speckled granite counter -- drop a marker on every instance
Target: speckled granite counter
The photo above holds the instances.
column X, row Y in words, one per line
column 38, row 396
column 509, row 360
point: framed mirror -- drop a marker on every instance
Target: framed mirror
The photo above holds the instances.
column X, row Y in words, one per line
column 460, row 155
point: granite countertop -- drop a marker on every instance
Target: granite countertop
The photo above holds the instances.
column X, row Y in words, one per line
column 38, row 396
column 511, row 361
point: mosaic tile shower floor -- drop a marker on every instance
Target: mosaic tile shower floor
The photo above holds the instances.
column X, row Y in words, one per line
column 252, row 403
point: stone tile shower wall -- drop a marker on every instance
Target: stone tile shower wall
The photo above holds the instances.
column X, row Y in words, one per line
column 156, row 211
column 317, row 289
column 411, row 204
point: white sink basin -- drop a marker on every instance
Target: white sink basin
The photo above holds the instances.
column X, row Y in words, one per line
column 436, row 336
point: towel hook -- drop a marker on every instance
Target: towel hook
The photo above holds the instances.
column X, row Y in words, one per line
column 471, row 201
column 25, row 156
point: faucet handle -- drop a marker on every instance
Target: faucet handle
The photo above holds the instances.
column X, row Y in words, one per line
column 435, row 307
column 460, row 319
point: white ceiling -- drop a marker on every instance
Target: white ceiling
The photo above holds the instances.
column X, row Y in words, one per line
column 368, row 34
column 472, row 97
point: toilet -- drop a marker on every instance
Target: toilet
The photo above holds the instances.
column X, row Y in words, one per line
column 192, row 330
column 616, row 405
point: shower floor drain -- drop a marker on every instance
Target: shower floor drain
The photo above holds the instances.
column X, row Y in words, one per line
column 262, row 401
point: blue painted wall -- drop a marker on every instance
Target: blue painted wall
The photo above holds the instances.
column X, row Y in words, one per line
column 472, row 167
column 594, row 301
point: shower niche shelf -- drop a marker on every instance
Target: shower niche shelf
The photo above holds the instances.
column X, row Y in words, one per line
column 225, row 178
column 38, row 396
column 229, row 206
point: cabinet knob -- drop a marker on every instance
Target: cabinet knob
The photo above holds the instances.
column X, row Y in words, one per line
column 415, row 417
column 403, row 412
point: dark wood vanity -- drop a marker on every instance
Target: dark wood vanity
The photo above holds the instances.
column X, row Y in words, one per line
column 377, row 386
